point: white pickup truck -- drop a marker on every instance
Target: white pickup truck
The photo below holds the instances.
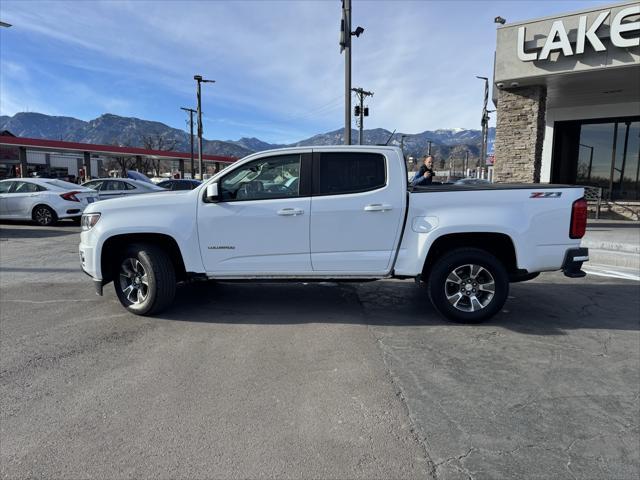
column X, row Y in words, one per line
column 335, row 213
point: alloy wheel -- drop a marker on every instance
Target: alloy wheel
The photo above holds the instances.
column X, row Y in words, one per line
column 43, row 216
column 134, row 282
column 469, row 288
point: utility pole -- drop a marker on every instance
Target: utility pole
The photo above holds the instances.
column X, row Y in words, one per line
column 429, row 147
column 402, row 137
column 466, row 162
column 361, row 111
column 345, row 46
column 199, row 80
column 484, row 122
column 191, row 112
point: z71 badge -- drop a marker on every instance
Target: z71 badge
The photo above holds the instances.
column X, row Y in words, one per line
column 546, row 195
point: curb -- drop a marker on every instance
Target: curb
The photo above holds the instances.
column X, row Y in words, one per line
column 613, row 258
column 612, row 246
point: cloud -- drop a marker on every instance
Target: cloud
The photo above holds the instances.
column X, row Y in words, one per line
column 276, row 63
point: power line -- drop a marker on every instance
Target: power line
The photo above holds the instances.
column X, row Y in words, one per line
column 327, row 107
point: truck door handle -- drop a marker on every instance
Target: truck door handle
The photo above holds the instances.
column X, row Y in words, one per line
column 377, row 207
column 289, row 212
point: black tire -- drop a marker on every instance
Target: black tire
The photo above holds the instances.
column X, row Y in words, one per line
column 160, row 277
column 474, row 302
column 44, row 216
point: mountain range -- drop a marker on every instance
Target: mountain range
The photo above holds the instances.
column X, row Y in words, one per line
column 112, row 129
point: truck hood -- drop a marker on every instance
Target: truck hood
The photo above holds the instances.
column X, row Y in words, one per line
column 155, row 200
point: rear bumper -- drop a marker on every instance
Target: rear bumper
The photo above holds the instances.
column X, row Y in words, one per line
column 573, row 259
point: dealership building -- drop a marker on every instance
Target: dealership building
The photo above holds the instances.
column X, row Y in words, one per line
column 567, row 93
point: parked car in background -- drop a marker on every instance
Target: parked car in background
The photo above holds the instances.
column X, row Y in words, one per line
column 120, row 187
column 179, row 184
column 43, row 200
column 141, row 177
column 472, row 181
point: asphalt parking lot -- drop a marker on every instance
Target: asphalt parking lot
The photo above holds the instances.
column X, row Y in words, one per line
column 310, row 380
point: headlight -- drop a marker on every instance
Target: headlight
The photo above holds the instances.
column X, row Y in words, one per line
column 89, row 220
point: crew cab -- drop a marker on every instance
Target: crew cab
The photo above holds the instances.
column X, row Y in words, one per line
column 335, row 213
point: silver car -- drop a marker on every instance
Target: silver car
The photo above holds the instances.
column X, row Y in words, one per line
column 119, row 187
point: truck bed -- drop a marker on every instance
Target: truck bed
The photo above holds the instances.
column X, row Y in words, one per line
column 451, row 187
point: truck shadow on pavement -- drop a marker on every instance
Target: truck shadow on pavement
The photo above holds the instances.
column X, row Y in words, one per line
column 533, row 308
column 16, row 230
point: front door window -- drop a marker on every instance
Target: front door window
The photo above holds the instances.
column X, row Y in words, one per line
column 271, row 177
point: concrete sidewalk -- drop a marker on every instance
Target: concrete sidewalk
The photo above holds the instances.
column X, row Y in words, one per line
column 613, row 243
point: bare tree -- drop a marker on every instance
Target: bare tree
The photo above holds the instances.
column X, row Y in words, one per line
column 159, row 143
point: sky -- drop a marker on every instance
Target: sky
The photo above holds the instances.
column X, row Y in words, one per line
column 278, row 69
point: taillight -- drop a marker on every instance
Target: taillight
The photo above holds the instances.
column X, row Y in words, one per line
column 578, row 219
column 70, row 196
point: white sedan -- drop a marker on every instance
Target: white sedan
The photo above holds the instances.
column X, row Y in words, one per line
column 43, row 200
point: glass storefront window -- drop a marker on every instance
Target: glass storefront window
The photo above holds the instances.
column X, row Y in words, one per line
column 602, row 153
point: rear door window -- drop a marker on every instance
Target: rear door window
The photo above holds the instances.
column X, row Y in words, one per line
column 95, row 185
column 113, row 185
column 348, row 172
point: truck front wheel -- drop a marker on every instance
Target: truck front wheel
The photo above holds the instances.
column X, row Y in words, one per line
column 468, row 285
column 146, row 281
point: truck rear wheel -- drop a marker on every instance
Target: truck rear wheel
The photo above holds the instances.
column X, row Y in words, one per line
column 145, row 281
column 468, row 285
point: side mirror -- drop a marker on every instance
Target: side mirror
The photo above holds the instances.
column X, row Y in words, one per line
column 212, row 193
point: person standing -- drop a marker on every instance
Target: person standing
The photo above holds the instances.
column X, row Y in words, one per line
column 425, row 175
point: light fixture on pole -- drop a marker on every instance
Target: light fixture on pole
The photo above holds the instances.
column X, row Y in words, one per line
column 199, row 80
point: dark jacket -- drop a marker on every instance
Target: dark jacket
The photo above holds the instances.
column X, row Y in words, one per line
column 420, row 179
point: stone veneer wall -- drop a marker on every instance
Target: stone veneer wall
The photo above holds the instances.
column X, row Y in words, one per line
column 519, row 134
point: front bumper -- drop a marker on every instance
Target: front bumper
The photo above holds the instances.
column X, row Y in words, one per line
column 88, row 265
column 573, row 259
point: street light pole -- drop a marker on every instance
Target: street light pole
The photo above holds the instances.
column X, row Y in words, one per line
column 191, row 112
column 346, row 25
column 345, row 45
column 199, row 80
